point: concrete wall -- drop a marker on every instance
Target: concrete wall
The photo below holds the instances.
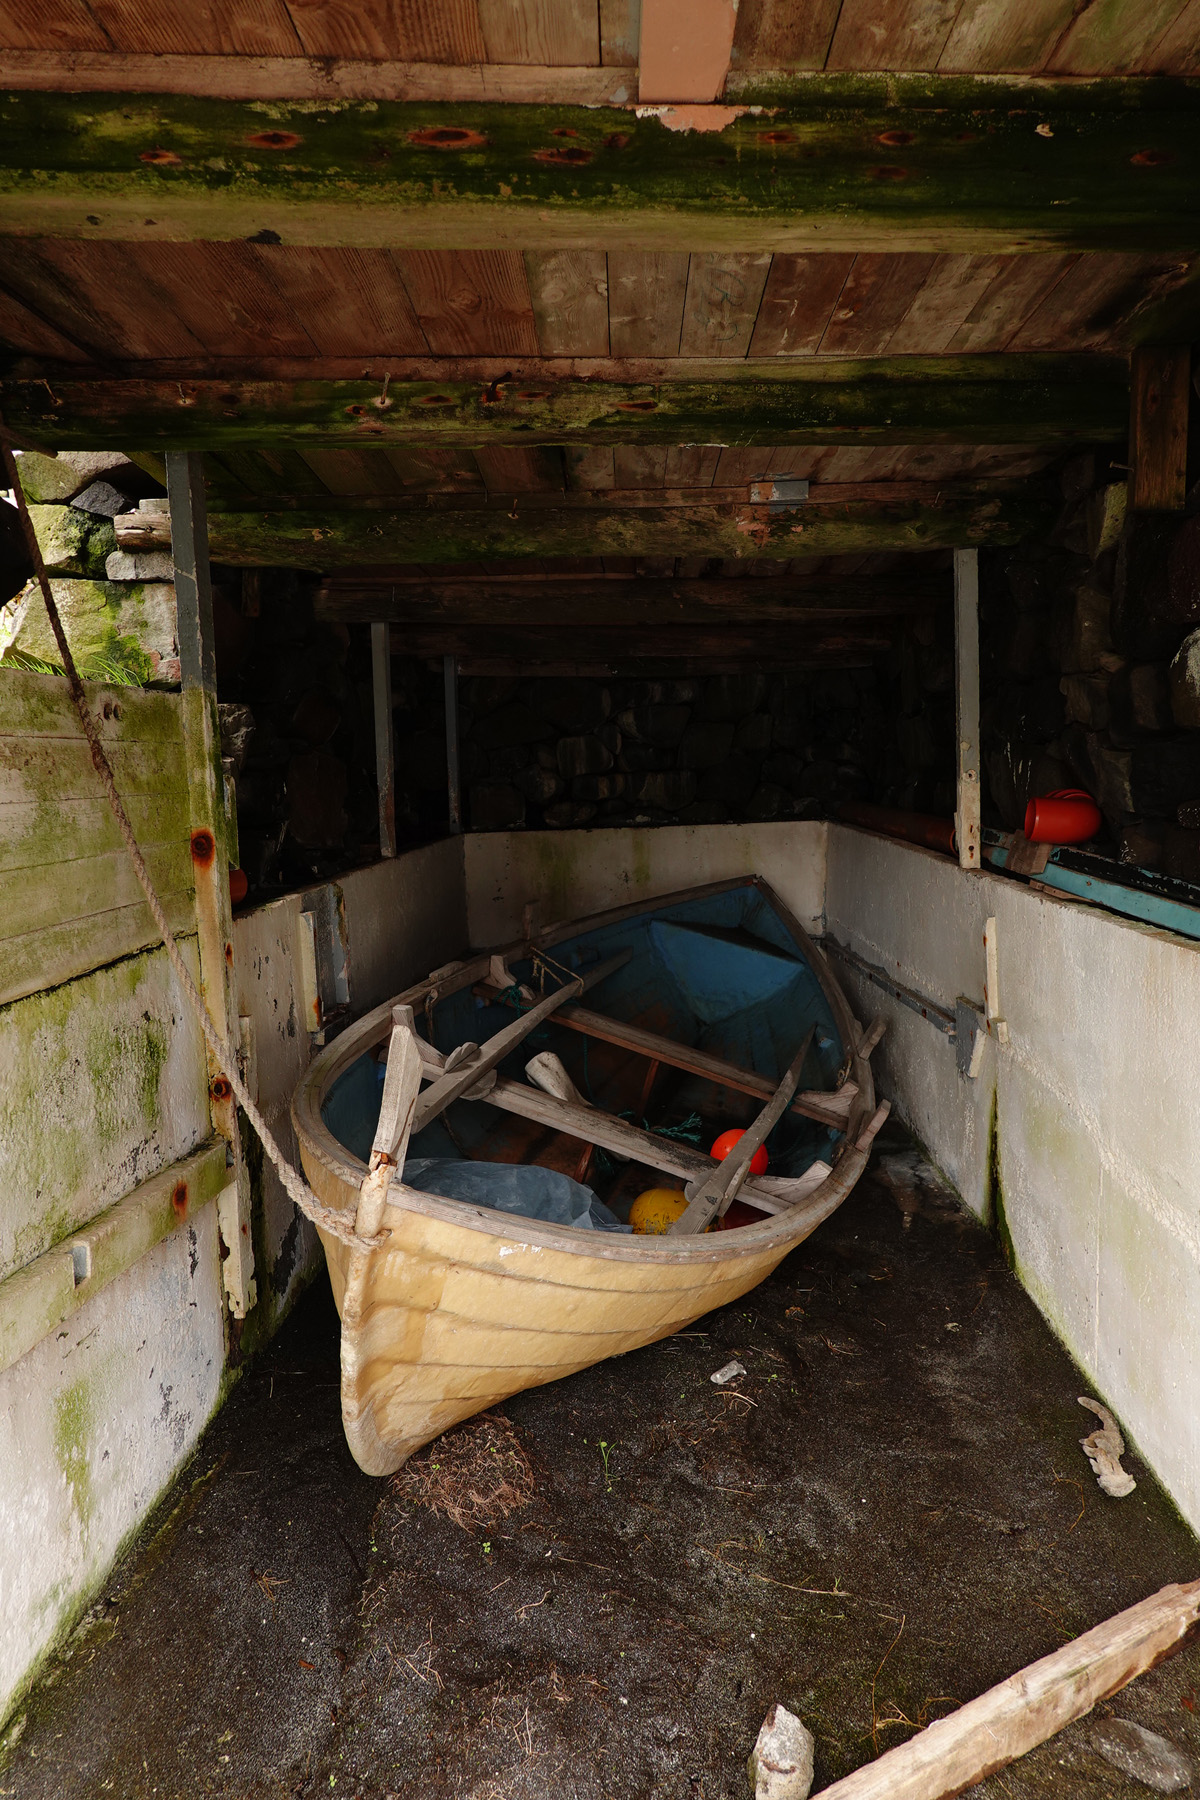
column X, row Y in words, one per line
column 1095, row 1146
column 572, row 873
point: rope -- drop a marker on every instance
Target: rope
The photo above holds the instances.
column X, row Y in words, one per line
column 297, row 1188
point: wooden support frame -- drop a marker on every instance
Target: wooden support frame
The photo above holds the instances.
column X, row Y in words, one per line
column 968, row 824
column 385, row 751
column 865, row 162
column 1014, row 398
column 453, row 761
column 1159, row 405
column 213, row 844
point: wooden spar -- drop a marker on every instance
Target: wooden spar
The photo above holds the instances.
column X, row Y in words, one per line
column 1013, row 1718
column 826, row 1108
column 454, row 1086
column 402, row 1082
column 1039, row 398
column 968, row 826
column 592, row 1126
column 385, row 755
column 714, row 1193
column 854, row 161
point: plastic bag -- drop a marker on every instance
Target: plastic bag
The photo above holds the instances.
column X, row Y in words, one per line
column 526, row 1189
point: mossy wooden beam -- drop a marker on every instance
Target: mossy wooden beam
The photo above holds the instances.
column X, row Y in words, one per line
column 996, row 164
column 621, row 600
column 1000, row 399
column 333, row 540
column 719, row 647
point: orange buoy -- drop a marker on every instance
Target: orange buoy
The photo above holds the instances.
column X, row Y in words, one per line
column 725, row 1143
column 239, row 886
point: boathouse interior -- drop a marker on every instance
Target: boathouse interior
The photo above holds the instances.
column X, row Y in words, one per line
column 500, row 460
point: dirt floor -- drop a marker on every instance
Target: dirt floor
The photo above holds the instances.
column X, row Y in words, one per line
column 888, row 1513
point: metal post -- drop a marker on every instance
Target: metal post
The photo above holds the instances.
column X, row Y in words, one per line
column 967, row 818
column 450, row 668
column 214, row 845
column 385, row 753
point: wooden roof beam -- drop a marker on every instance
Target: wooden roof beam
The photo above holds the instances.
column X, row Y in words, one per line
column 896, row 162
column 432, row 533
column 986, row 399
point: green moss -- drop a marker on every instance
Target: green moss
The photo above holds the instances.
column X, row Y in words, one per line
column 73, row 1426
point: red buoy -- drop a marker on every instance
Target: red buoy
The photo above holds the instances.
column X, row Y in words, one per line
column 725, row 1143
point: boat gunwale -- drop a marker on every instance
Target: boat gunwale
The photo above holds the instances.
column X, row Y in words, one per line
column 793, row 1223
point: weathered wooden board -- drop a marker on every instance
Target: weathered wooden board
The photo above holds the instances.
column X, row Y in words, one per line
column 72, row 899
column 1158, row 428
column 1007, row 399
column 862, row 162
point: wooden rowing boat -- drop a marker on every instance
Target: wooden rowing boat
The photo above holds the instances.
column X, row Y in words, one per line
column 702, row 997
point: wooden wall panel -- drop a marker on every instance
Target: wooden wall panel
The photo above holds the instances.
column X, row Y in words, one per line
column 1158, row 428
column 350, row 302
column 891, row 34
column 800, row 294
column 779, row 34
column 1022, row 284
column 620, row 32
column 222, row 294
column 471, row 302
column 436, row 31
column 951, row 291
column 68, row 25
column 990, row 36
column 21, row 329
column 1107, row 37
column 99, row 299
column 516, row 471
column 876, row 296
column 212, row 27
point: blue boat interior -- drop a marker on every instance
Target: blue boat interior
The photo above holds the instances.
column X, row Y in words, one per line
column 718, row 972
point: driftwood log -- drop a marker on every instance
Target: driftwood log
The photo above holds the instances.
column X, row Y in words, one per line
column 1031, row 1706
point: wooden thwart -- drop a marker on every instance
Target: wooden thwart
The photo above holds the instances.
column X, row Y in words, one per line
column 1013, row 1718
column 826, row 1108
column 714, row 1193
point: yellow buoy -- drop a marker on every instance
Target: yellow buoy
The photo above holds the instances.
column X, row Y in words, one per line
column 657, row 1210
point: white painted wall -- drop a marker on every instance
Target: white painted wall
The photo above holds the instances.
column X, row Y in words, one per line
column 572, row 873
column 1097, row 1129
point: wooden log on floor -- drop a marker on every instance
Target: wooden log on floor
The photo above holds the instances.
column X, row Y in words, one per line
column 1013, row 1718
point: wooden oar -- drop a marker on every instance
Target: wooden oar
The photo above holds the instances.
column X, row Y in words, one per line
column 451, row 1087
column 706, row 1198
column 826, row 1108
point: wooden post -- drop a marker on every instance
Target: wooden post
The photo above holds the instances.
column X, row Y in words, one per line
column 1159, row 397
column 213, row 842
column 385, row 753
column 967, row 816
column 453, row 781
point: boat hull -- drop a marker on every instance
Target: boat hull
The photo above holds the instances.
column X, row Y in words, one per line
column 464, row 1305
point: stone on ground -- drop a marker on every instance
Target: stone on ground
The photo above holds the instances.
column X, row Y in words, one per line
column 1143, row 1755
column 781, row 1762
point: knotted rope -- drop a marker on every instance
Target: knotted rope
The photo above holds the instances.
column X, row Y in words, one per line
column 298, row 1190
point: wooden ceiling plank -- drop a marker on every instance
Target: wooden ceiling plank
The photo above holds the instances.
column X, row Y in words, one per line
column 569, row 293
column 721, row 303
column 590, row 466
column 69, row 25
column 435, row 469
column 877, row 294
column 646, row 292
column 738, row 466
column 352, row 302
column 996, row 35
column 541, row 32
column 1020, row 287
column 620, row 31
column 223, row 293
column 1013, row 398
column 263, row 473
column 891, row 34
column 218, row 27
column 1158, row 428
column 778, row 34
column 1094, row 298
column 471, row 302
column 352, row 471
column 93, row 296
column 1177, row 52
column 800, row 294
column 433, row 31
column 949, row 294
column 692, row 465
column 640, row 466
column 23, row 330
column 139, row 167
column 521, row 471
column 1111, row 39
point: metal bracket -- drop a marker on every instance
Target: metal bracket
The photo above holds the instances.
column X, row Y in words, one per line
column 779, row 493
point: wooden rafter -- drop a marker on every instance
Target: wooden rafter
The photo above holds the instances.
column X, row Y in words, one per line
column 998, row 399
column 857, row 161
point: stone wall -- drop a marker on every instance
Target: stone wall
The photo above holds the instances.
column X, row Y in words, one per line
column 1090, row 670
